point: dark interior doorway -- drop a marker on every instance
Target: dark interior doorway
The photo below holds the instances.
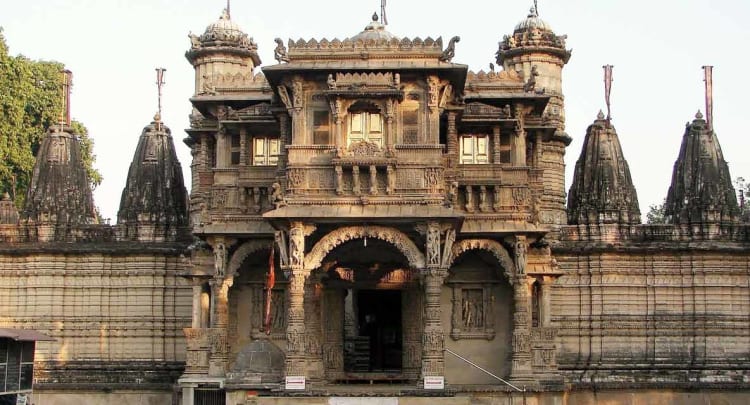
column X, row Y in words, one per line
column 378, row 348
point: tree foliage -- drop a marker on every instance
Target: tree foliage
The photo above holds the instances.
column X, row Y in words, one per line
column 656, row 213
column 30, row 102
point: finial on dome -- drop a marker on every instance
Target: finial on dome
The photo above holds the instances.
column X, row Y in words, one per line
column 699, row 115
column 229, row 7
column 375, row 17
column 535, row 10
column 600, row 116
column 224, row 15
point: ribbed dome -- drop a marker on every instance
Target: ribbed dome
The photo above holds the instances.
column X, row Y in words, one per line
column 533, row 21
column 374, row 31
column 225, row 32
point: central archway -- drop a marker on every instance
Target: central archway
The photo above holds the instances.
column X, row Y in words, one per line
column 340, row 236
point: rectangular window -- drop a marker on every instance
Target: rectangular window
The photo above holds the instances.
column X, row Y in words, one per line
column 365, row 127
column 411, row 126
column 474, row 149
column 235, row 149
column 321, row 128
column 265, row 151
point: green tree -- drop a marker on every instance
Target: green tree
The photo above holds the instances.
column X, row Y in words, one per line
column 30, row 102
column 656, row 213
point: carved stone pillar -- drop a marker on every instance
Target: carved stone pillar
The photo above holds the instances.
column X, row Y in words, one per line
column 295, row 325
column 333, row 343
column 356, row 188
column 452, row 140
column 521, row 357
column 496, row 144
column 433, row 337
column 518, row 144
column 197, row 290
column 222, row 149
column 391, row 180
column 373, row 180
column 390, row 136
column 219, row 322
column 243, row 146
column 313, row 332
column 283, row 141
column 339, row 180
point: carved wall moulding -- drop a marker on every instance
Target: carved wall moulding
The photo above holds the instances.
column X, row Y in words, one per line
column 342, row 235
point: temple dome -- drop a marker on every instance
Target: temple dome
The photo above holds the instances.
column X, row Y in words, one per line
column 223, row 29
column 374, row 31
column 533, row 21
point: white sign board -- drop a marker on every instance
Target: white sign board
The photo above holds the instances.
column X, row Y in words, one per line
column 295, row 383
column 434, row 383
column 22, row 399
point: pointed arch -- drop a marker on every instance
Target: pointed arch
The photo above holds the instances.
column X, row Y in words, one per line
column 338, row 237
column 494, row 247
column 245, row 250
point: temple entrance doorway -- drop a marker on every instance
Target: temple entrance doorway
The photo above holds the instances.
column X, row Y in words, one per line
column 371, row 310
column 376, row 347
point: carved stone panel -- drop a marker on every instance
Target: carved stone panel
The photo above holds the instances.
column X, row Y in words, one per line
column 473, row 311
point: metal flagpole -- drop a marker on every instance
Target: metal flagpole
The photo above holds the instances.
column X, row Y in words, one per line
column 608, row 89
column 159, row 84
column 709, row 79
column 382, row 12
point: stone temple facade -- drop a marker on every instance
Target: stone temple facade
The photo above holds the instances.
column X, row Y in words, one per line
column 362, row 213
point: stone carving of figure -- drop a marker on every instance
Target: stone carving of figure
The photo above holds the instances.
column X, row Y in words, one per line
column 472, row 311
column 208, row 87
column 220, row 259
column 531, row 83
column 298, row 93
column 195, row 41
column 296, row 246
column 450, row 51
column 280, row 52
column 276, row 196
column 331, row 82
column 521, row 255
column 396, row 80
column 433, row 245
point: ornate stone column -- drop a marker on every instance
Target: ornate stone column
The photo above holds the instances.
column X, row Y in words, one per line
column 313, row 331
column 295, row 325
column 519, row 140
column 496, row 144
column 283, row 141
column 452, row 140
column 521, row 366
column 197, row 290
column 219, row 358
column 433, row 338
column 243, row 146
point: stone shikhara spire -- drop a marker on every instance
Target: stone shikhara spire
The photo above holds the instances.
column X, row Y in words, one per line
column 602, row 191
column 701, row 190
column 153, row 206
column 60, row 191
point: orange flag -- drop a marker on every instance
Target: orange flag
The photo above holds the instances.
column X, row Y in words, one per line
column 270, row 282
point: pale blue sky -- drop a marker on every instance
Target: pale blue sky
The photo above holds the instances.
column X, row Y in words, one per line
column 657, row 48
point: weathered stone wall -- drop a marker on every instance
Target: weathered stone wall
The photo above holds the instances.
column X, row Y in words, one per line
column 653, row 314
column 116, row 311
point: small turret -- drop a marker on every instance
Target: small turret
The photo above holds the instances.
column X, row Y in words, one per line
column 602, row 191
column 8, row 211
column 222, row 49
column 153, row 206
column 701, row 190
